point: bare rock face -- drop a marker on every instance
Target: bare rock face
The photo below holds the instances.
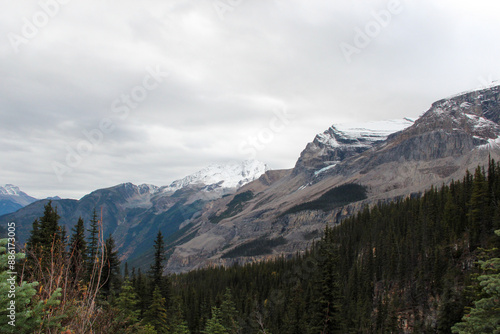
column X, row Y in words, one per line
column 455, row 134
column 343, row 141
column 452, row 127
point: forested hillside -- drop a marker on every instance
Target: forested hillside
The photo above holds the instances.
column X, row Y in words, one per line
column 409, row 266
column 400, row 267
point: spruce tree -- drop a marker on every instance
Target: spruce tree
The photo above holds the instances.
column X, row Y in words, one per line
column 140, row 287
column 214, row 324
column 156, row 271
column 127, row 303
column 177, row 324
column 111, row 267
column 78, row 249
column 45, row 242
column 93, row 244
column 477, row 208
column 157, row 268
column 46, row 232
column 29, row 316
column 327, row 318
column 156, row 315
column 484, row 317
column 229, row 314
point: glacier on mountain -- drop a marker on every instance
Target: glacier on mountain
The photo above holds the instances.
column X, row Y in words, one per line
column 231, row 175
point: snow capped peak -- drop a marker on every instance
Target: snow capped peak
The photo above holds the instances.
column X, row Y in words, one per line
column 361, row 134
column 492, row 85
column 148, row 188
column 232, row 175
column 11, row 190
column 12, row 193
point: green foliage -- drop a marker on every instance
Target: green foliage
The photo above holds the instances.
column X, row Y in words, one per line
column 30, row 316
column 329, row 300
column 93, row 244
column 127, row 303
column 214, row 324
column 46, row 239
column 78, row 249
column 156, row 276
column 234, row 207
column 229, row 314
column 484, row 317
column 156, row 270
column 256, row 247
column 110, row 275
column 397, row 264
column 156, row 315
column 333, row 198
column 177, row 323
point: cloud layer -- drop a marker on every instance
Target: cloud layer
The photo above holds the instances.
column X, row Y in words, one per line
column 81, row 107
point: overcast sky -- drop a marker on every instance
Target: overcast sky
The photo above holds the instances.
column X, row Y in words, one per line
column 96, row 93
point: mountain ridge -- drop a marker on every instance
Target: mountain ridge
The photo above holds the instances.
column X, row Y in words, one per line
column 407, row 162
column 205, row 224
column 13, row 199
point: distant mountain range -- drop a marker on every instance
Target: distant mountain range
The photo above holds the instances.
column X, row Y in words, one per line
column 13, row 199
column 135, row 213
column 245, row 212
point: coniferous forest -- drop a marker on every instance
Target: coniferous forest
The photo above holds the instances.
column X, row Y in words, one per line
column 428, row 263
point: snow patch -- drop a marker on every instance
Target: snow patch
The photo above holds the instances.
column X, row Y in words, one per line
column 233, row 175
column 491, row 144
column 316, row 173
column 10, row 190
column 362, row 134
column 478, row 89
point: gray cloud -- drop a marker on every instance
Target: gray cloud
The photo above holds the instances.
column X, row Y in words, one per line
column 227, row 79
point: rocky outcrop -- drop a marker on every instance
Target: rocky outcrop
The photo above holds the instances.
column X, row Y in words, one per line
column 343, row 141
column 455, row 134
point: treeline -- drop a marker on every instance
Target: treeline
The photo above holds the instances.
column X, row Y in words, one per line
column 73, row 284
column 409, row 266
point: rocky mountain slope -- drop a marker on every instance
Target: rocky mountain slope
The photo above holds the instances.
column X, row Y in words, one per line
column 342, row 141
column 242, row 213
column 135, row 213
column 283, row 211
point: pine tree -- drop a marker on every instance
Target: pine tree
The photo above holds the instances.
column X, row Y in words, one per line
column 125, row 270
column 327, row 318
column 140, row 288
column 28, row 317
column 45, row 242
column 177, row 323
column 93, row 244
column 127, row 303
column 484, row 317
column 46, row 233
column 477, row 214
column 214, row 324
column 156, row 314
column 111, row 267
column 78, row 249
column 157, row 269
column 229, row 314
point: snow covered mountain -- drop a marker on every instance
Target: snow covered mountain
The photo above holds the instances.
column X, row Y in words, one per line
column 389, row 160
column 232, row 175
column 341, row 141
column 12, row 199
